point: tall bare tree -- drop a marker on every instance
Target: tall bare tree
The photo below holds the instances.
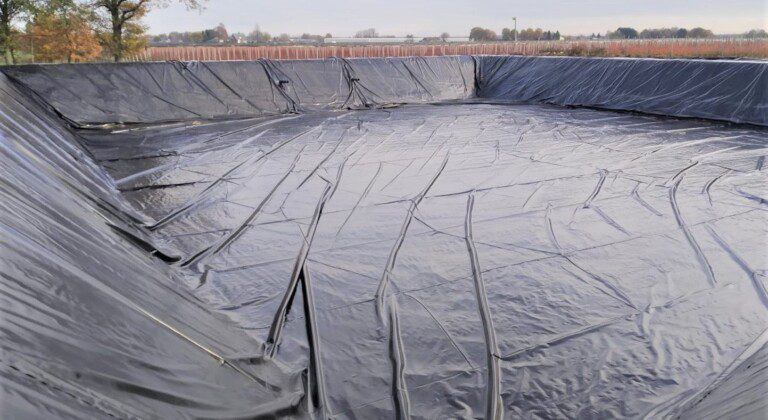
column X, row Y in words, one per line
column 121, row 14
column 367, row 33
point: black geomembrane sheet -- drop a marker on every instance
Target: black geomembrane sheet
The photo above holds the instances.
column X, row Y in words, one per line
column 377, row 238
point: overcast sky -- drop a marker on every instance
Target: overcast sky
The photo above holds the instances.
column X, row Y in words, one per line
column 431, row 17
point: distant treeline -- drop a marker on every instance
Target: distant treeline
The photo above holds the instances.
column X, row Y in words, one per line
column 484, row 34
column 217, row 34
column 632, row 33
column 674, row 32
column 220, row 35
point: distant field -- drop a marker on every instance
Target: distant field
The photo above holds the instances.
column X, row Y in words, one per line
column 666, row 48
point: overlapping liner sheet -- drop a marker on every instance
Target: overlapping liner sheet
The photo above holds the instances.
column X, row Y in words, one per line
column 471, row 260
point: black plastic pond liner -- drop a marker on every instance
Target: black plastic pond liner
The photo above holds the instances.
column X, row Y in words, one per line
column 164, row 92
column 319, row 239
column 132, row 93
column 721, row 90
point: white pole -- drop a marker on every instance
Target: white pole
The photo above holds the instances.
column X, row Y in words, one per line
column 515, row 19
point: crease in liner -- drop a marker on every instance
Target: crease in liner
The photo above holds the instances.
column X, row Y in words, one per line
column 617, row 293
column 191, row 148
column 442, row 328
column 235, row 233
column 567, row 336
column 598, row 187
column 551, row 229
column 359, row 200
column 226, row 85
column 400, row 393
column 760, row 289
column 389, row 315
column 324, row 159
column 494, row 408
column 203, row 195
column 679, row 175
column 636, row 196
column 703, row 261
column 709, row 184
column 384, row 282
column 297, row 275
column 610, row 220
column 161, row 186
column 319, row 396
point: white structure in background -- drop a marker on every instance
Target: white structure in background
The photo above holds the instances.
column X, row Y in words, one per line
column 388, row 40
column 382, row 40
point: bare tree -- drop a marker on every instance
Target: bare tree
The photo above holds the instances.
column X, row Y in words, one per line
column 258, row 36
column 120, row 13
column 367, row 33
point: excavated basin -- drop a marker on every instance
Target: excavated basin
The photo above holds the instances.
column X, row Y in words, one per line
column 447, row 238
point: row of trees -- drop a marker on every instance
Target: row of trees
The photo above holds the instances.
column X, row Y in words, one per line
column 373, row 33
column 756, row 33
column 220, row 35
column 659, row 33
column 484, row 34
column 217, row 34
column 75, row 30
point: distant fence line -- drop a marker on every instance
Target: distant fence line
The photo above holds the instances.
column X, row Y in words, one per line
column 755, row 48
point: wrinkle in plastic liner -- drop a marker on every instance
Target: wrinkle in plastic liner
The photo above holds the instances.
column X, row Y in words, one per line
column 321, row 239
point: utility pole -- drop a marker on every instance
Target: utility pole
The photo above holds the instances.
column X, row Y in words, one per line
column 515, row 19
